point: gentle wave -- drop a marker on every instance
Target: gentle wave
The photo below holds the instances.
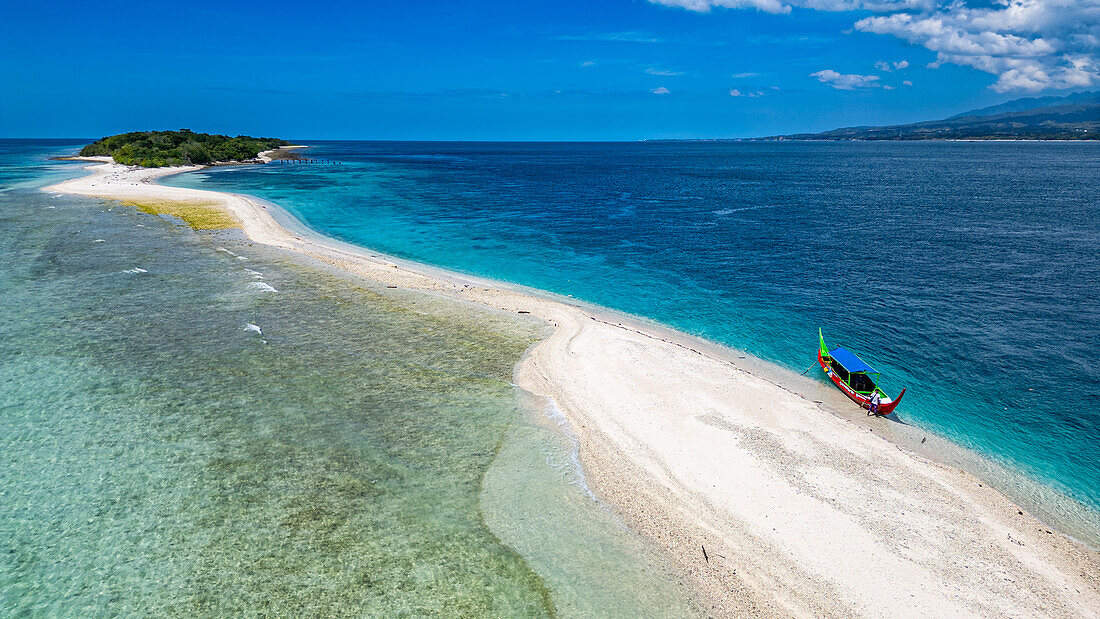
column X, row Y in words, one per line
column 572, row 469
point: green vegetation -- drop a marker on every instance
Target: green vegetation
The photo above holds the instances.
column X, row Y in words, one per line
column 155, row 149
column 198, row 215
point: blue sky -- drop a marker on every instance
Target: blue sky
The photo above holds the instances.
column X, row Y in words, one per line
column 513, row 70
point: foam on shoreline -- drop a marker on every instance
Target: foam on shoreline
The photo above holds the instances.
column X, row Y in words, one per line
column 766, row 503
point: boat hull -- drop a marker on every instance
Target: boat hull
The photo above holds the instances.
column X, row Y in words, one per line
column 886, row 405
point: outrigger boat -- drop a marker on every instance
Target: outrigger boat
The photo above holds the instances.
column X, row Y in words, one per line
column 854, row 377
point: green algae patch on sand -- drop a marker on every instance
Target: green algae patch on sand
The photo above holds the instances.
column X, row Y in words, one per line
column 198, row 215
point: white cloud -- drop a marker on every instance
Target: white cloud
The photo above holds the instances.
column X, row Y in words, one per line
column 842, row 81
column 748, row 93
column 735, row 93
column 907, row 83
column 938, row 34
column 660, row 90
column 588, row 63
column 878, row 6
column 887, row 67
column 625, row 37
column 744, row 75
column 1029, row 45
column 663, row 72
column 704, row 6
column 887, row 87
column 785, row 6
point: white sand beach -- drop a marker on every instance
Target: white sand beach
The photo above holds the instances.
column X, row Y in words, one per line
column 267, row 155
column 800, row 512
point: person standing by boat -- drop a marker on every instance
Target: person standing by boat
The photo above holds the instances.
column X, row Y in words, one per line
column 872, row 407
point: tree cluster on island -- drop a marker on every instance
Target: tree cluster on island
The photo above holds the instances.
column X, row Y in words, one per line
column 155, row 149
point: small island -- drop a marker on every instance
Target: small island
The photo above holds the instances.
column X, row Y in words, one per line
column 156, row 149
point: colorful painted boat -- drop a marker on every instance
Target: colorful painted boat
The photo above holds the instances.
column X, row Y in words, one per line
column 854, row 377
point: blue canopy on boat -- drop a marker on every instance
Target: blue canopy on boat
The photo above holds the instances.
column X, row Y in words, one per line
column 850, row 361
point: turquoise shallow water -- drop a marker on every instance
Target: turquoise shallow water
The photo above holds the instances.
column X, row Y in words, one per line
column 967, row 272
column 195, row 426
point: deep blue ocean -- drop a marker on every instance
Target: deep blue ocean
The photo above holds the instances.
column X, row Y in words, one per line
column 967, row 272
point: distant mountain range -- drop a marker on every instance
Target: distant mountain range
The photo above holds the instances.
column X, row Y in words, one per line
column 1073, row 117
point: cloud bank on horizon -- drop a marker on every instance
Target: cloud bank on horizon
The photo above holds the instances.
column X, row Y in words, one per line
column 1030, row 45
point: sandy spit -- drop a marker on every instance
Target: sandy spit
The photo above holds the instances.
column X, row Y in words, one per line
column 799, row 512
column 266, row 156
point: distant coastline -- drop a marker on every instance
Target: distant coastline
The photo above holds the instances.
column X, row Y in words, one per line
column 809, row 140
column 664, row 423
column 1072, row 118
